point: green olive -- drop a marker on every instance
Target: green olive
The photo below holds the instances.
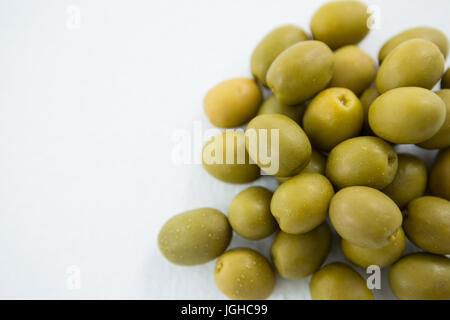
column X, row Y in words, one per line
column 407, row 115
column 441, row 139
column 301, row 203
column 195, row 237
column 421, row 276
column 232, row 103
column 234, row 170
column 315, row 165
column 383, row 257
column 440, row 175
column 362, row 161
column 368, row 96
column 431, row 34
column 298, row 256
column 445, row 82
column 353, row 69
column 414, row 63
column 285, row 142
column 339, row 23
column 333, row 116
column 244, row 274
column 271, row 46
column 427, row 224
column 338, row 281
column 410, row 181
column 365, row 217
column 300, row 71
column 249, row 214
column 273, row 106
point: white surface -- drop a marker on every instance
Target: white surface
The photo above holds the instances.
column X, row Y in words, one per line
column 86, row 124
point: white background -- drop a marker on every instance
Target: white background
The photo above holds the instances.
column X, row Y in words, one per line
column 86, row 124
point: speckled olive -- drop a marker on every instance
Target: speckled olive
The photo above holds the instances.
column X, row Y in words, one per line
column 194, row 237
column 367, row 97
column 237, row 170
column 244, row 274
column 362, row 161
column 383, row 257
column 271, row 46
column 414, row 63
column 338, row 281
column 300, row 71
column 273, row 106
column 249, row 214
column 427, row 224
column 407, row 115
column 445, row 82
column 298, row 256
column 440, row 175
column 333, row 116
column 301, row 203
column 232, row 103
column 315, row 165
column 421, row 276
column 365, row 217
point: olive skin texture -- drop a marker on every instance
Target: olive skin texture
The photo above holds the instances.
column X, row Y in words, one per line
column 414, row 63
column 365, row 217
column 195, row 237
column 439, row 183
column 445, row 82
column 427, row 224
column 316, row 165
column 362, row 161
column 298, row 256
column 249, row 214
column 421, row 276
column 301, row 203
column 236, row 172
column 273, row 106
column 367, row 97
column 293, row 151
column 407, row 115
column 384, row 257
column 338, row 281
column 410, row 181
column 271, row 46
column 431, row 34
column 244, row 274
column 301, row 71
column 333, row 116
column 232, row 103
column 441, row 139
column 353, row 69
column 340, row 23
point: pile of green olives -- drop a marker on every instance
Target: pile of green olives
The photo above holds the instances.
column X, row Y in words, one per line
column 328, row 132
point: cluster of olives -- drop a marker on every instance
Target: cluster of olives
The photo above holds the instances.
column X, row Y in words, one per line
column 336, row 159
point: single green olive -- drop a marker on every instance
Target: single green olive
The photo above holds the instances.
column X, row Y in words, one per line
column 367, row 97
column 273, row 106
column 316, row 165
column 440, row 175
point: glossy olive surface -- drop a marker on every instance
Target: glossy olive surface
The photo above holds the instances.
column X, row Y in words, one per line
column 315, row 165
column 273, row 106
column 439, row 181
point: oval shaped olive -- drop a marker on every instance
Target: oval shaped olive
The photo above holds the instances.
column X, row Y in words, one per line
column 301, row 203
column 362, row 161
column 414, row 63
column 427, row 33
column 194, row 237
column 440, row 175
column 271, row 46
column 365, row 217
column 315, row 165
column 353, row 69
column 244, row 274
column 298, row 256
column 249, row 214
column 421, row 276
column 368, row 96
column 281, row 138
column 445, row 82
column 339, row 23
column 238, row 169
column 407, row 115
column 338, row 281
column 383, row 257
column 232, row 103
column 333, row 116
column 300, row 71
column 273, row 106
column 427, row 224
column 441, row 139
column 410, row 181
